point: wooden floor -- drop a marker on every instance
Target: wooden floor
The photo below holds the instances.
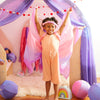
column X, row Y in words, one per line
column 39, row 98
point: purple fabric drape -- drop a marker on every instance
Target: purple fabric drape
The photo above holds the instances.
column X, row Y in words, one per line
column 55, row 7
column 15, row 9
column 88, row 69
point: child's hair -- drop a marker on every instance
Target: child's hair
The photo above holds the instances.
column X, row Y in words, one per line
column 8, row 50
column 50, row 19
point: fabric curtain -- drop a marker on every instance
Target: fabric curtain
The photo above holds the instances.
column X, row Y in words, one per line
column 88, row 69
column 10, row 10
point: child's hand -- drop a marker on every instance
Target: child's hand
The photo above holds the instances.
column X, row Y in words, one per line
column 36, row 9
column 9, row 60
column 81, row 28
column 70, row 10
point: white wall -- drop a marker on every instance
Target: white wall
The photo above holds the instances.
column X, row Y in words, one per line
column 91, row 11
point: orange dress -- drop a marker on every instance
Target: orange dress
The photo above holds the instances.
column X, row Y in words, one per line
column 50, row 57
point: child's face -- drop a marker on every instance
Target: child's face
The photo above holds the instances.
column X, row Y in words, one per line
column 7, row 51
column 49, row 28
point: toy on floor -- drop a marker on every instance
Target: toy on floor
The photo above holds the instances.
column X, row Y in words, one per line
column 64, row 93
column 94, row 92
column 80, row 89
column 8, row 89
column 10, row 56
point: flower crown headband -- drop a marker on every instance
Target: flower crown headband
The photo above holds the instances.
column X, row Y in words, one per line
column 49, row 22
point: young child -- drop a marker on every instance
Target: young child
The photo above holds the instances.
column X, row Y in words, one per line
column 50, row 51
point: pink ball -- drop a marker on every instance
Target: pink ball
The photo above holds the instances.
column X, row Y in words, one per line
column 80, row 89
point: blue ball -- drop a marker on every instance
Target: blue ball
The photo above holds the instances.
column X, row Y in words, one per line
column 94, row 92
column 8, row 89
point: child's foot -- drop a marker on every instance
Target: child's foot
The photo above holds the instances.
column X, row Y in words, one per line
column 46, row 98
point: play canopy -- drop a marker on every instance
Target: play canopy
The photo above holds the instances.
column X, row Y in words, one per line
column 10, row 10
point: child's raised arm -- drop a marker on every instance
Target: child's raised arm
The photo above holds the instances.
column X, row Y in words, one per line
column 37, row 21
column 64, row 23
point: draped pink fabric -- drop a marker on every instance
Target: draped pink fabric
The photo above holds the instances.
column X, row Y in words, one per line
column 33, row 47
column 22, row 49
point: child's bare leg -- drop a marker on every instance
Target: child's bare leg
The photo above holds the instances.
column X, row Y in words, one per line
column 47, row 85
column 56, row 91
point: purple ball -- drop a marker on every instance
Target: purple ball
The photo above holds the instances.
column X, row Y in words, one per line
column 94, row 92
column 80, row 89
column 12, row 57
column 8, row 89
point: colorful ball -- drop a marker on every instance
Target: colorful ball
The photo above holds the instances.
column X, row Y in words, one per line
column 94, row 92
column 64, row 93
column 80, row 89
column 8, row 89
